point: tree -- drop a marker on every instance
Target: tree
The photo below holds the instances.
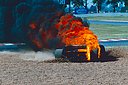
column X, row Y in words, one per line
column 78, row 3
column 85, row 1
column 99, row 3
column 126, row 2
column 114, row 3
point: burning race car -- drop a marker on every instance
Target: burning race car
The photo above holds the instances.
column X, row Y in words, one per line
column 68, row 31
column 79, row 40
column 55, row 29
column 51, row 28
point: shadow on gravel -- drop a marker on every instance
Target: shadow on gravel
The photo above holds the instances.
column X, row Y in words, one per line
column 107, row 57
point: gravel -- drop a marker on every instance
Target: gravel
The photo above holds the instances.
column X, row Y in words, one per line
column 112, row 71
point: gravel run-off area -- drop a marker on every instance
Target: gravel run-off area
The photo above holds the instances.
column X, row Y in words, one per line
column 112, row 71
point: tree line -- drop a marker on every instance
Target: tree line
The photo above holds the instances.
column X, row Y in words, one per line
column 97, row 2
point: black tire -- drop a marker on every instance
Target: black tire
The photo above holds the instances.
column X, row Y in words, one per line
column 102, row 51
column 94, row 54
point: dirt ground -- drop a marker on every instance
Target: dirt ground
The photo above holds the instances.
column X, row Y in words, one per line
column 111, row 71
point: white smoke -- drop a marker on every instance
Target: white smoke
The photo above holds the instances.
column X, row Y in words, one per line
column 35, row 56
column 38, row 56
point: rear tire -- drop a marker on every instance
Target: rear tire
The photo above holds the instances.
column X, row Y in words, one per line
column 102, row 52
column 94, row 54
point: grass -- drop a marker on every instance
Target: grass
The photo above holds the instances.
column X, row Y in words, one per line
column 109, row 31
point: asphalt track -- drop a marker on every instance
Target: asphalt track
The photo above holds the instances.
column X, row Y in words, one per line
column 108, row 22
column 114, row 43
column 101, row 14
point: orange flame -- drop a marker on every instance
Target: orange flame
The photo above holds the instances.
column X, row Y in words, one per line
column 73, row 32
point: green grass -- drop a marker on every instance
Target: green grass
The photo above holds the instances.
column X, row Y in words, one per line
column 109, row 31
column 121, row 18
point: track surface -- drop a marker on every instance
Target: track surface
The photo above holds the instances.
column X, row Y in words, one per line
column 16, row 71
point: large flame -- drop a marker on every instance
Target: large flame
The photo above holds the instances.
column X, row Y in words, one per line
column 73, row 32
